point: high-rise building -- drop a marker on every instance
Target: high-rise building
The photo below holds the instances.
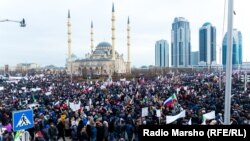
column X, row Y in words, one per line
column 236, row 50
column 180, row 43
column 207, row 44
column 162, row 53
column 194, row 58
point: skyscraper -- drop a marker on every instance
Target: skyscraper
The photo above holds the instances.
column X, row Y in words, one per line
column 236, row 50
column 194, row 58
column 162, row 53
column 180, row 43
column 207, row 44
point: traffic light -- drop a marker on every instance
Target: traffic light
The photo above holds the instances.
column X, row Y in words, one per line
column 242, row 78
column 248, row 78
column 22, row 23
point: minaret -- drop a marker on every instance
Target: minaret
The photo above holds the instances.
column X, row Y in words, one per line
column 69, row 38
column 91, row 36
column 69, row 47
column 113, row 32
column 128, row 43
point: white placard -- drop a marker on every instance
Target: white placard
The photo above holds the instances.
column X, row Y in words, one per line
column 75, row 106
column 48, row 93
column 87, row 108
column 158, row 113
column 1, row 88
column 185, row 88
column 177, row 91
column 208, row 116
column 170, row 119
column 144, row 111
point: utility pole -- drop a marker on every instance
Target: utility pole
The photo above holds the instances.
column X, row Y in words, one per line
column 227, row 107
column 220, row 70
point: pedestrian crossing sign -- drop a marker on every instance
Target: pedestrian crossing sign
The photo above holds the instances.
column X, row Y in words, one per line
column 22, row 119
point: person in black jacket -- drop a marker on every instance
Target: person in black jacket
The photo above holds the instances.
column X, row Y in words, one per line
column 60, row 128
column 100, row 131
column 79, row 128
column 52, row 131
column 106, row 132
column 83, row 135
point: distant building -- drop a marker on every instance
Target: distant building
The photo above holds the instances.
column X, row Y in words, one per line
column 245, row 66
column 162, row 53
column 236, row 50
column 6, row 68
column 26, row 66
column 207, row 44
column 194, row 58
column 180, row 43
column 53, row 69
column 104, row 59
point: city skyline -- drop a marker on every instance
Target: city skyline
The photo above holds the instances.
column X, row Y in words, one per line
column 44, row 40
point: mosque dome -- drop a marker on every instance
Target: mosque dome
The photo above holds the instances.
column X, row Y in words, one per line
column 104, row 45
column 103, row 48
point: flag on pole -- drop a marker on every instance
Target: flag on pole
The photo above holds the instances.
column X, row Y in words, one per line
column 57, row 103
column 67, row 102
column 170, row 100
column 33, row 98
column 18, row 135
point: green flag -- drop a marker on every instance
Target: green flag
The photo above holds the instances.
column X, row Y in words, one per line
column 18, row 135
column 33, row 98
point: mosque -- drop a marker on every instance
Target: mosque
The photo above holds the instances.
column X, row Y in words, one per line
column 104, row 59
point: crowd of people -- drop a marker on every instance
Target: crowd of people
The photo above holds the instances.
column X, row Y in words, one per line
column 106, row 110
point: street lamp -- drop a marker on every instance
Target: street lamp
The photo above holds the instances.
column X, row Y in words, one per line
column 22, row 22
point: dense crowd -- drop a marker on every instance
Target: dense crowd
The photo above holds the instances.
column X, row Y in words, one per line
column 112, row 110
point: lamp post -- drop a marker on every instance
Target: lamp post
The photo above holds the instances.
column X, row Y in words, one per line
column 22, row 22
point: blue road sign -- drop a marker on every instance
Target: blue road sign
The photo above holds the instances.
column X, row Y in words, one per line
column 22, row 119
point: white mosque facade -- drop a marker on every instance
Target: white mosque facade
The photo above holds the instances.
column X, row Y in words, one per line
column 103, row 60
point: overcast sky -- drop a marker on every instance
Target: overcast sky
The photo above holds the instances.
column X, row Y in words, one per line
column 44, row 40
